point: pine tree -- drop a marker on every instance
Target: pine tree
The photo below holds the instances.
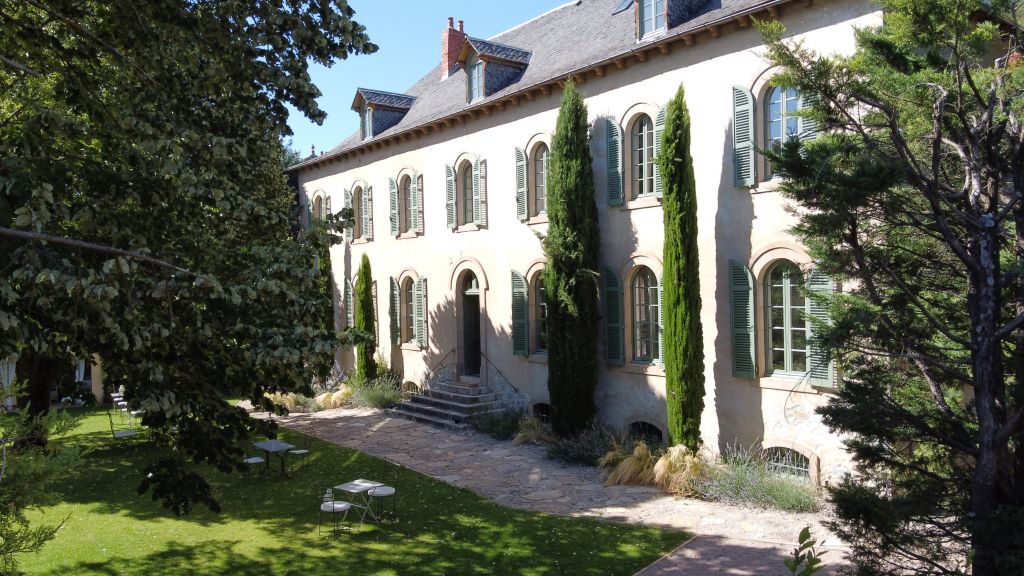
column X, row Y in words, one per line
column 366, row 366
column 570, row 276
column 684, row 338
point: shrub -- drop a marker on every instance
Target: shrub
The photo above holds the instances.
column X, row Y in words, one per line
column 380, row 392
column 306, row 404
column 587, row 446
column 745, row 476
column 500, row 424
column 636, row 468
column 679, row 470
column 532, row 431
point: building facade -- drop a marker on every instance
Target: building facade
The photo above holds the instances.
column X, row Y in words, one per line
column 448, row 186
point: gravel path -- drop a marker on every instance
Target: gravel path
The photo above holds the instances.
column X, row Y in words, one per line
column 730, row 539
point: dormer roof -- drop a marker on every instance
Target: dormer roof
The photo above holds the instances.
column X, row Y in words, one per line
column 366, row 96
column 489, row 50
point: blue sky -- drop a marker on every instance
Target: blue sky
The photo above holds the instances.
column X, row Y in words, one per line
column 408, row 34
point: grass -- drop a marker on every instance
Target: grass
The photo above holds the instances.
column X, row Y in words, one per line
column 746, row 477
column 268, row 525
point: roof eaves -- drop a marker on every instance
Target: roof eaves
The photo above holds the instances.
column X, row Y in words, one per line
column 640, row 50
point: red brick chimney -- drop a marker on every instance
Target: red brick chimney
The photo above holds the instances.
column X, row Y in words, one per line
column 451, row 45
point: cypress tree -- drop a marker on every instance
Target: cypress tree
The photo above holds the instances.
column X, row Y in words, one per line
column 684, row 339
column 366, row 366
column 570, row 275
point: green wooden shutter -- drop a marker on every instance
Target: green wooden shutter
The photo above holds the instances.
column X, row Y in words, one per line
column 393, row 194
column 449, row 189
column 349, row 311
column 613, row 136
column 520, row 315
column 659, row 130
column 417, row 204
column 368, row 213
column 808, row 128
column 822, row 372
column 347, row 199
column 741, row 299
column 744, row 160
column 615, row 345
column 393, row 311
column 480, row 192
column 521, row 191
column 419, row 311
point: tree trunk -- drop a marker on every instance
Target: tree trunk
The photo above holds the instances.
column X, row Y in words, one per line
column 39, row 372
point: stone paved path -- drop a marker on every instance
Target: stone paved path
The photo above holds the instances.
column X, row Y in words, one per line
column 730, row 540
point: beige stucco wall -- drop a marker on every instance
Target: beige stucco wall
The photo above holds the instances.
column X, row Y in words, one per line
column 746, row 225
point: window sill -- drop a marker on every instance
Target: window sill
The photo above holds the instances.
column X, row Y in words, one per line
column 468, row 228
column 360, row 240
column 648, row 369
column 538, row 358
column 538, row 219
column 641, row 203
column 788, row 383
column 411, row 347
column 407, row 235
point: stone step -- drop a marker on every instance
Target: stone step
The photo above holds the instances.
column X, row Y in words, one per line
column 482, row 397
column 459, row 389
column 438, row 412
column 466, row 408
column 469, row 380
column 398, row 412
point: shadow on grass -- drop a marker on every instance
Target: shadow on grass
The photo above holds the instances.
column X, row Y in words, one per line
column 269, row 525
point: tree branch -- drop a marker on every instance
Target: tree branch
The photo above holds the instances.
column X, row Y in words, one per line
column 91, row 247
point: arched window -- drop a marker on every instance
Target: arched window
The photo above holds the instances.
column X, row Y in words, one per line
column 540, row 179
column 465, row 199
column 405, row 205
column 407, row 314
column 788, row 462
column 542, row 412
column 788, row 342
column 781, row 122
column 645, row 315
column 357, row 212
column 646, row 431
column 541, row 314
column 475, row 75
column 642, row 157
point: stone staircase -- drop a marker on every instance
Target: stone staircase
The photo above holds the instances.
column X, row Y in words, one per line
column 448, row 404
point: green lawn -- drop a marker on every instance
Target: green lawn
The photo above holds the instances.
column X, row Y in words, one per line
column 268, row 526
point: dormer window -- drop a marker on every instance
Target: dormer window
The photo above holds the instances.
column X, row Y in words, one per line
column 366, row 123
column 651, row 17
column 475, row 72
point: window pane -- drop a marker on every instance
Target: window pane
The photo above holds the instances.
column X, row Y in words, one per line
column 798, row 340
column 778, row 359
column 542, row 318
column 799, row 361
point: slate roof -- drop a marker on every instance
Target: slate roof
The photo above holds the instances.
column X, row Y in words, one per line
column 567, row 39
column 493, row 49
column 380, row 98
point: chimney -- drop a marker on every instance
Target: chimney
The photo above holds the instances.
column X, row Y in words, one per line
column 451, row 45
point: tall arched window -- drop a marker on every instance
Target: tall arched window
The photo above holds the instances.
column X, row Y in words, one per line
column 405, row 204
column 466, row 194
column 541, row 314
column 407, row 311
column 788, row 342
column 781, row 122
column 318, row 210
column 642, row 157
column 645, row 315
column 540, row 179
column 357, row 212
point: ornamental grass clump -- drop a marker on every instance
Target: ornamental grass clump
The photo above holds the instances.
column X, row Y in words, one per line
column 532, row 431
column 587, row 446
column 636, row 468
column 679, row 469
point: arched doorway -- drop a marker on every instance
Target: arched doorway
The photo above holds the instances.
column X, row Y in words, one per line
column 470, row 325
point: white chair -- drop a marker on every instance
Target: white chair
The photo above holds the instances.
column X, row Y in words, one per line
column 381, row 493
column 120, row 434
column 253, row 462
column 303, row 452
column 328, row 505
